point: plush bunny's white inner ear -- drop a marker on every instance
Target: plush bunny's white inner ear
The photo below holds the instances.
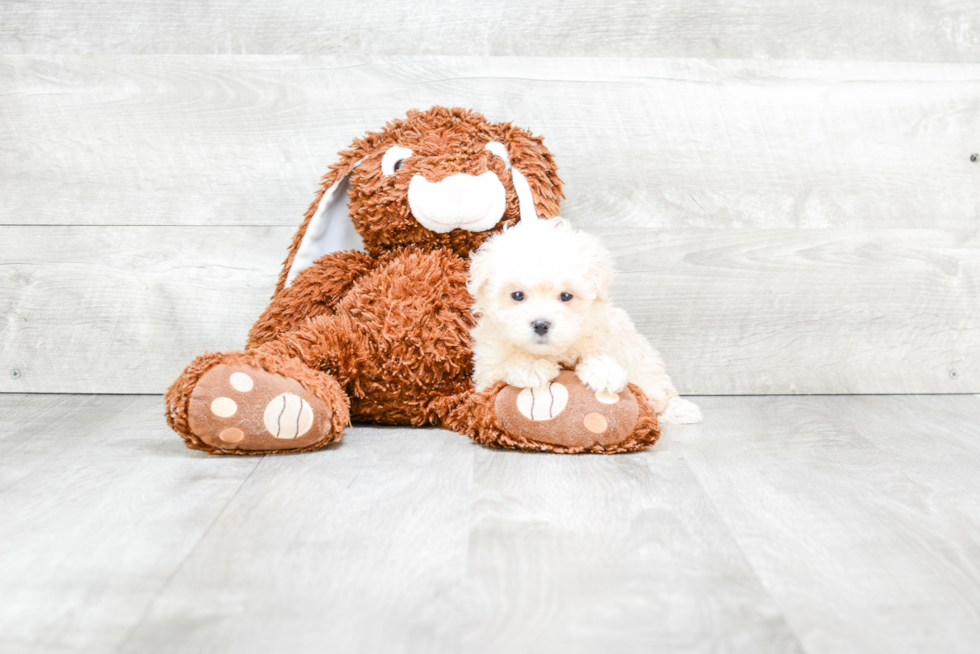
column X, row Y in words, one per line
column 524, row 197
column 499, row 150
column 330, row 229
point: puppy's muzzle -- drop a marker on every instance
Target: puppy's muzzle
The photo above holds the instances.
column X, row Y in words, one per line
column 541, row 327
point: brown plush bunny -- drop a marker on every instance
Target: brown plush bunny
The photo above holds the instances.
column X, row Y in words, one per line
column 383, row 334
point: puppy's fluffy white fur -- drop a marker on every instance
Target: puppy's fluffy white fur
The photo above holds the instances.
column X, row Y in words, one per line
column 542, row 303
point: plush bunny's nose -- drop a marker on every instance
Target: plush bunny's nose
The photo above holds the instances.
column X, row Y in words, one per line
column 461, row 201
column 541, row 327
column 457, row 188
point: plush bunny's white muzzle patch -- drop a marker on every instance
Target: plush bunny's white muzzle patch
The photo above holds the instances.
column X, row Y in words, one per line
column 461, row 201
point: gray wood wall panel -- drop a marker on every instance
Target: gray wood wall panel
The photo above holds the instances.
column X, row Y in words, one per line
column 938, row 30
column 123, row 309
column 158, row 140
column 807, row 311
column 783, row 227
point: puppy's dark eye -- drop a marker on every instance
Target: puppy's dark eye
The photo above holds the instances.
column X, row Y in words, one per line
column 398, row 165
column 518, row 296
column 565, row 297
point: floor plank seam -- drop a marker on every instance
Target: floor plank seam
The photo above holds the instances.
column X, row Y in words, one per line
column 790, row 629
column 190, row 553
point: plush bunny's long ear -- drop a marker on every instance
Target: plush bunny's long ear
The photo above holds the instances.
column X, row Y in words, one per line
column 330, row 229
column 534, row 173
column 525, row 197
column 326, row 226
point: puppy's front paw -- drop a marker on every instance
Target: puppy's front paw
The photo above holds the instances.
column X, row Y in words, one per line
column 602, row 373
column 531, row 373
column 681, row 412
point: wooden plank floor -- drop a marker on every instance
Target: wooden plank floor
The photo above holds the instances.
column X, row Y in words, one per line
column 783, row 524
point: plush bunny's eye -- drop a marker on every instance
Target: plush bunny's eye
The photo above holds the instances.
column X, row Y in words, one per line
column 499, row 150
column 394, row 158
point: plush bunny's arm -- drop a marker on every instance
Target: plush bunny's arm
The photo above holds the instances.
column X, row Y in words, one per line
column 315, row 291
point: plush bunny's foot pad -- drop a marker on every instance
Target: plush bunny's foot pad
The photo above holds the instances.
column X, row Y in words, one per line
column 563, row 416
column 236, row 408
column 246, row 408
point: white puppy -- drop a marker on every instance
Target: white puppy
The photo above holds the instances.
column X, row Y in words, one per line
column 541, row 304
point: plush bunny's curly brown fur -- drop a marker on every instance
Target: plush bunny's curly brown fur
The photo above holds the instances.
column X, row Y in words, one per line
column 380, row 335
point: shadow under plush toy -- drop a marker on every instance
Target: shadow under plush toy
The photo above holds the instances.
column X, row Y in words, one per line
column 383, row 334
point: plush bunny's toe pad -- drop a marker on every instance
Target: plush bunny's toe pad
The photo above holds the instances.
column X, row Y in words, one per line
column 244, row 408
column 565, row 416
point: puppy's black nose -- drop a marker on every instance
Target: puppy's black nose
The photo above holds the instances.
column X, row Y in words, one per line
column 541, row 327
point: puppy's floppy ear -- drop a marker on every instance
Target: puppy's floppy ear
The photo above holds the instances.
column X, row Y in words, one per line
column 479, row 275
column 599, row 269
